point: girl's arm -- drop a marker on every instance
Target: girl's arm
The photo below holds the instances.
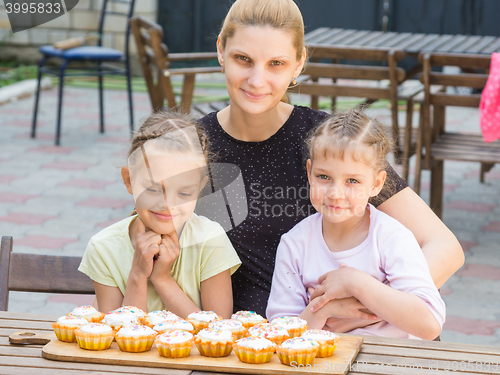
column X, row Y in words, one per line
column 171, row 294
column 406, row 311
column 107, row 297
column 217, row 294
column 441, row 249
column 339, row 308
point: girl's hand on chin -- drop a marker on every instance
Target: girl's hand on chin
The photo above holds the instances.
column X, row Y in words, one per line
column 146, row 248
column 169, row 252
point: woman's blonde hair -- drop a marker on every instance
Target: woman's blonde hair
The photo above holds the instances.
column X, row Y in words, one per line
column 278, row 14
column 350, row 133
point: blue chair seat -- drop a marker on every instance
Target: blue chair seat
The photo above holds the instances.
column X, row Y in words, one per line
column 94, row 53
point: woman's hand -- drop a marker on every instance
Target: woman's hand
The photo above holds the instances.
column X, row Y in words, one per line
column 169, row 252
column 146, row 246
column 333, row 285
column 346, row 308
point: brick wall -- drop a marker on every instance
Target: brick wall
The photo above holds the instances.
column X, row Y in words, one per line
column 83, row 19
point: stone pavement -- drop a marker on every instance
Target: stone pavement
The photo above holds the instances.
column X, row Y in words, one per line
column 53, row 199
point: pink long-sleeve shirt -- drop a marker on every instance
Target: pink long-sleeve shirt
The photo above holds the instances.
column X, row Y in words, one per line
column 390, row 253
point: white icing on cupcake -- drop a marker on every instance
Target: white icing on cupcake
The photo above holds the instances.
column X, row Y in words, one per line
column 96, row 328
column 215, row 335
column 160, row 316
column 135, row 331
column 247, row 316
column 299, row 343
column 121, row 318
column 267, row 330
column 83, row 311
column 72, row 320
column 203, row 316
column 173, row 325
column 174, row 337
column 229, row 324
column 319, row 335
column 257, row 343
column 289, row 322
column 132, row 310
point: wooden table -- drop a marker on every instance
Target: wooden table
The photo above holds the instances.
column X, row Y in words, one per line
column 377, row 356
column 411, row 43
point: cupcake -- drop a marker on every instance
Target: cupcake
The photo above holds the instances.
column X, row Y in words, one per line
column 293, row 324
column 172, row 325
column 234, row 326
column 174, row 344
column 254, row 350
column 117, row 319
column 200, row 319
column 135, row 339
column 270, row 332
column 137, row 312
column 248, row 318
column 88, row 312
column 214, row 342
column 158, row 316
column 94, row 336
column 327, row 341
column 298, row 350
column 65, row 327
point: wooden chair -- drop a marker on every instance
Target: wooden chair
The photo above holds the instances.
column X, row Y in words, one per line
column 440, row 144
column 39, row 273
column 384, row 70
column 156, row 63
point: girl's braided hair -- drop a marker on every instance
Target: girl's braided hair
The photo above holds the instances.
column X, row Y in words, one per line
column 182, row 132
column 344, row 132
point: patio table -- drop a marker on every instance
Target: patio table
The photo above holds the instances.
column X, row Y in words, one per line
column 411, row 43
column 378, row 355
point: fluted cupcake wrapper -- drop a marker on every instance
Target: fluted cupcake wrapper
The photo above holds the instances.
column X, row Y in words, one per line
column 326, row 350
column 214, row 350
column 94, row 343
column 297, row 359
column 65, row 334
column 134, row 345
column 296, row 332
column 249, row 356
column 173, row 352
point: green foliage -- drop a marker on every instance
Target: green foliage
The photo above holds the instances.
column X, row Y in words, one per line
column 10, row 73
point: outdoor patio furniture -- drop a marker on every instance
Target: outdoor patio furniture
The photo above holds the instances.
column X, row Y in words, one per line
column 440, row 144
column 156, row 64
column 39, row 273
column 369, row 73
column 92, row 61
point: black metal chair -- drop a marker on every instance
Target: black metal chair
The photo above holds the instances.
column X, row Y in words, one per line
column 96, row 56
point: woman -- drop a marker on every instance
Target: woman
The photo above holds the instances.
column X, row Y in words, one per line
column 261, row 49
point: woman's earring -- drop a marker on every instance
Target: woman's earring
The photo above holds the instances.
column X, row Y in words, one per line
column 294, row 81
column 222, row 70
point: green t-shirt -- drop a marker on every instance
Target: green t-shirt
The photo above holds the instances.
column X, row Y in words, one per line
column 205, row 252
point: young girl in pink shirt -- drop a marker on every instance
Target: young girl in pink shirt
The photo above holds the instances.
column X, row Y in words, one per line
column 367, row 254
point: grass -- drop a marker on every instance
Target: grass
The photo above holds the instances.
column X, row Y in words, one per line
column 10, row 73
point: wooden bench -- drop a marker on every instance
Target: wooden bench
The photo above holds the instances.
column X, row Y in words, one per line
column 39, row 273
column 156, row 62
column 440, row 144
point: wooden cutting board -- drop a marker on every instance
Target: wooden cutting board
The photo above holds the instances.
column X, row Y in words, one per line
column 339, row 363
